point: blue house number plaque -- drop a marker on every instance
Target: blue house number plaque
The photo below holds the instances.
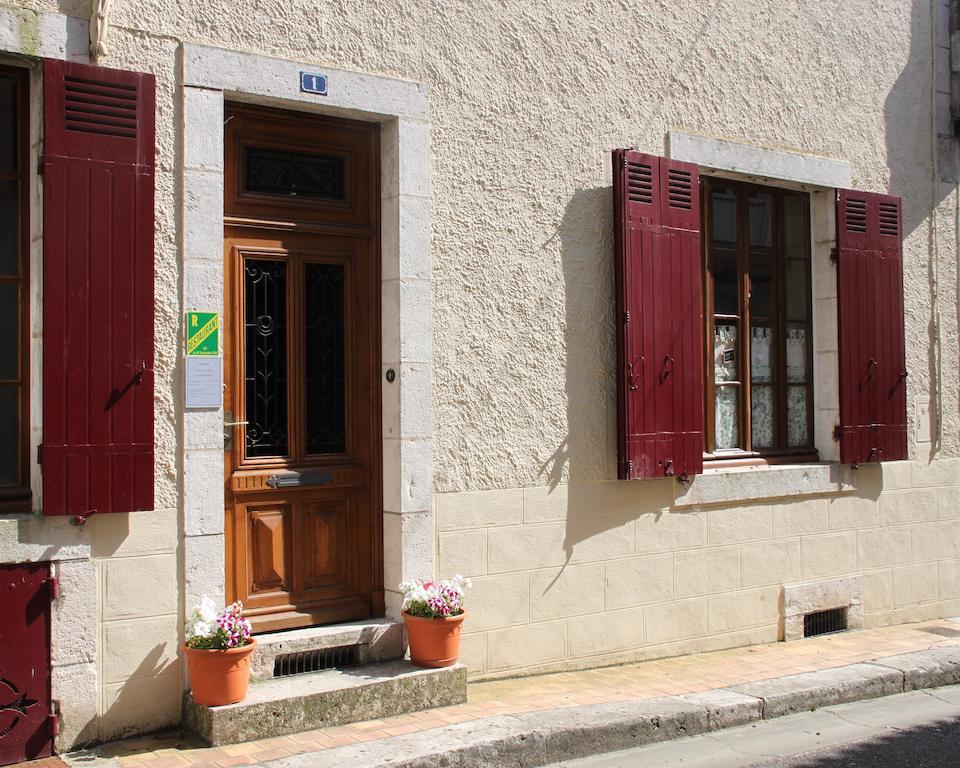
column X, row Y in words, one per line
column 311, row 83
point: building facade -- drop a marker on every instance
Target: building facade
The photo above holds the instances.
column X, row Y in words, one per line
column 432, row 358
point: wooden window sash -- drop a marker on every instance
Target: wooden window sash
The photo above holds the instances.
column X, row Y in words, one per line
column 746, row 455
column 18, row 498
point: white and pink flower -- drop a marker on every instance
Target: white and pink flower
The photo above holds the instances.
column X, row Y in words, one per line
column 434, row 599
column 210, row 629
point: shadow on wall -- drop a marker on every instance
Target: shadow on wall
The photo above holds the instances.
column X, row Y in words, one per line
column 598, row 510
column 918, row 161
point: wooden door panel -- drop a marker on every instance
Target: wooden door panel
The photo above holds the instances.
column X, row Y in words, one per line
column 269, row 530
column 303, row 474
column 327, row 560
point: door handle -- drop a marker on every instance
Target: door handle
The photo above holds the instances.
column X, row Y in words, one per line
column 228, row 431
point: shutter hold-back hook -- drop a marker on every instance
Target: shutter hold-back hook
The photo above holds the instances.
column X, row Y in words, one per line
column 665, row 371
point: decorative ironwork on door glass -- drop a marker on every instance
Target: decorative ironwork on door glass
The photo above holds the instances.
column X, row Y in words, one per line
column 265, row 338
column 294, row 174
column 325, row 360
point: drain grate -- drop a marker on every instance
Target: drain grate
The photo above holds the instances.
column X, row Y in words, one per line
column 825, row 622
column 315, row 661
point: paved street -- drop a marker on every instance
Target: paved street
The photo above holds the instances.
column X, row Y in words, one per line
column 919, row 730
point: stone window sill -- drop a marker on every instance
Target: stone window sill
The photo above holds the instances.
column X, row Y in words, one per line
column 739, row 484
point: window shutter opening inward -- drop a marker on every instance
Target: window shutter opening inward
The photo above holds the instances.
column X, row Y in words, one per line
column 873, row 387
column 98, row 290
column 659, row 316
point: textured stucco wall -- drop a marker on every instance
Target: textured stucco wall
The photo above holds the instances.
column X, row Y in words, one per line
column 527, row 99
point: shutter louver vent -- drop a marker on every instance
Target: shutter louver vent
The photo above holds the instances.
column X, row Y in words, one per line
column 855, row 215
column 678, row 189
column 99, row 107
column 639, row 182
column 889, row 220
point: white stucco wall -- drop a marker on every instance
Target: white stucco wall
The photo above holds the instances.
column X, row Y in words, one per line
column 526, row 102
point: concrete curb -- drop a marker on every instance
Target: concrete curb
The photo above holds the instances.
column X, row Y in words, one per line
column 540, row 738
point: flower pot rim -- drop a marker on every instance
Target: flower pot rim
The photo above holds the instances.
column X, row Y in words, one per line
column 239, row 649
column 458, row 617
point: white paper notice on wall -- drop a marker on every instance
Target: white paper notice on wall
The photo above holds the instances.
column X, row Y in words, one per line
column 204, row 385
column 924, row 431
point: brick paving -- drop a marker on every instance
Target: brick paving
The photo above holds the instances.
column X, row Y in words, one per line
column 649, row 679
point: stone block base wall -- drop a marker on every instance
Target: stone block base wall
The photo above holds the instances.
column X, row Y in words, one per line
column 599, row 573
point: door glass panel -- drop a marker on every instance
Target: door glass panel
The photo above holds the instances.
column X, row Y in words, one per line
column 761, row 220
column 798, row 273
column 724, row 213
column 294, row 174
column 724, row 353
column 265, row 338
column 796, row 355
column 727, row 419
column 761, row 416
column 325, row 363
column 9, row 228
column 797, row 416
column 761, row 355
column 725, row 283
column 794, row 227
column 8, row 125
column 9, row 331
column 9, row 434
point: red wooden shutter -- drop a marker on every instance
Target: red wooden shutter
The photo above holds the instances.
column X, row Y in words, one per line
column 98, row 192
column 873, row 389
column 656, row 205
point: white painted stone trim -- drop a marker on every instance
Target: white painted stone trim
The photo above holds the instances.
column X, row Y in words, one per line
column 809, row 597
column 210, row 76
column 770, row 482
column 743, row 159
column 47, row 35
column 350, row 94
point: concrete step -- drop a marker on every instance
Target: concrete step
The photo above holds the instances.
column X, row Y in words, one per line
column 376, row 640
column 284, row 705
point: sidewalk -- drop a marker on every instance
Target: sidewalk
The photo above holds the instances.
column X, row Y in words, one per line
column 646, row 680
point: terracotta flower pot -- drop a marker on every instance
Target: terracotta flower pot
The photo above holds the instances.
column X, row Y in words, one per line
column 434, row 642
column 219, row 677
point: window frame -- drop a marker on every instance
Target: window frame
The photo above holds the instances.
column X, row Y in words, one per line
column 747, row 455
column 18, row 498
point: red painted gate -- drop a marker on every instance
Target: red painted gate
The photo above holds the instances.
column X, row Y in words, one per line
column 26, row 726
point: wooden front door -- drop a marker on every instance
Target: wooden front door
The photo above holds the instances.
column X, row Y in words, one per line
column 301, row 365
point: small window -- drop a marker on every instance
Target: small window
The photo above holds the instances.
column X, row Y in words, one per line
column 759, row 372
column 14, row 284
column 293, row 174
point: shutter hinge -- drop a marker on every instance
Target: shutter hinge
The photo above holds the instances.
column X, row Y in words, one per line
column 81, row 517
column 837, row 432
column 54, row 585
column 628, row 467
column 40, row 166
column 54, row 718
column 40, row 454
column 626, row 317
column 623, row 161
column 835, row 255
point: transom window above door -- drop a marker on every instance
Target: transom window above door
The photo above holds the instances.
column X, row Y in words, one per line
column 757, row 321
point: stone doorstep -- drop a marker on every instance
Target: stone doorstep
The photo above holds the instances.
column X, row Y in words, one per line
column 284, row 705
column 378, row 639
